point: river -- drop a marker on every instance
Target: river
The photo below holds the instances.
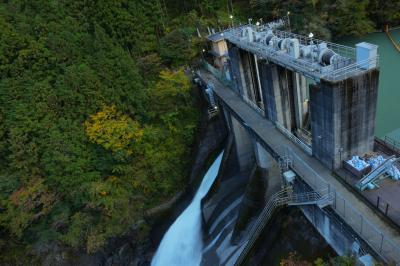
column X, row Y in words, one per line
column 388, row 110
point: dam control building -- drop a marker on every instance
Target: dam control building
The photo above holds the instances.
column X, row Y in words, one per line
column 322, row 95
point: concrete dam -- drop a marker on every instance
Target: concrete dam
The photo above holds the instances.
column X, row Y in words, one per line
column 297, row 110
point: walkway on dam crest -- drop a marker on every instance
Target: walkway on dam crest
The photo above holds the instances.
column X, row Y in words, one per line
column 272, row 137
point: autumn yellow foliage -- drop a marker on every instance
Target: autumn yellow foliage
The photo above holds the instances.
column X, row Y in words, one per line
column 113, row 130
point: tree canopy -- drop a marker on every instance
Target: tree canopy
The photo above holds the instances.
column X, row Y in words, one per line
column 95, row 126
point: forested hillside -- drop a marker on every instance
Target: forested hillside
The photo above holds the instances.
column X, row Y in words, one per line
column 96, row 119
column 96, row 114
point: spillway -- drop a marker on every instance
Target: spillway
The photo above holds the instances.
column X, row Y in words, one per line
column 183, row 244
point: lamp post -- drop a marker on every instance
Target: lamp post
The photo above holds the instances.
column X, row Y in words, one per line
column 288, row 19
column 311, row 35
column 340, row 156
column 231, row 17
column 202, row 55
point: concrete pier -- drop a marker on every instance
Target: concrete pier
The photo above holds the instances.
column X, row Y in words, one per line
column 263, row 158
column 244, row 147
column 235, row 68
column 382, row 238
column 343, row 117
column 270, row 88
column 299, row 98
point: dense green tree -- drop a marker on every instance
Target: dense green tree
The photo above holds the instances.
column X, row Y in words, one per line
column 175, row 48
column 385, row 12
column 82, row 152
column 351, row 18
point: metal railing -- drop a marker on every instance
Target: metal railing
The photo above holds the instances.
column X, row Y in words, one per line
column 388, row 209
column 320, row 198
column 218, row 74
column 274, row 203
column 382, row 244
column 254, row 106
column 345, row 51
column 279, row 199
column 283, row 59
column 353, row 69
column 293, row 138
column 311, row 69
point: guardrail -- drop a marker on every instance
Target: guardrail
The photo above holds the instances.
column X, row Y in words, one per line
column 340, row 49
column 293, row 138
column 306, row 67
column 352, row 69
column 382, row 244
column 218, row 74
column 254, row 106
column 274, row 203
column 279, row 199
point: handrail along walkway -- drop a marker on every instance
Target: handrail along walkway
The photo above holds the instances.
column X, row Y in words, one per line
column 281, row 198
column 378, row 240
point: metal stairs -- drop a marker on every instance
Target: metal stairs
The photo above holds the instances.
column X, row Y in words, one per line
column 376, row 173
column 212, row 112
column 311, row 198
column 285, row 197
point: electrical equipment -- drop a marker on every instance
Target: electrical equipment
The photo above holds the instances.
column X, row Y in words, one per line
column 319, row 53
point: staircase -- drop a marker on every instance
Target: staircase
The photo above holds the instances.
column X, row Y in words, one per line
column 311, row 198
column 285, row 197
column 212, row 112
column 376, row 173
column 284, row 163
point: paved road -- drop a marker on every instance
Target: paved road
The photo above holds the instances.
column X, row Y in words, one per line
column 272, row 137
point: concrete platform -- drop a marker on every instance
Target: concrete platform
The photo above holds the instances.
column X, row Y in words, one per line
column 386, row 198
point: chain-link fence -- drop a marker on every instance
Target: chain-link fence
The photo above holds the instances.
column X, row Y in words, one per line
column 382, row 244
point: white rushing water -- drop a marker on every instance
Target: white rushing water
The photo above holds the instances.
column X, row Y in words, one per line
column 182, row 245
